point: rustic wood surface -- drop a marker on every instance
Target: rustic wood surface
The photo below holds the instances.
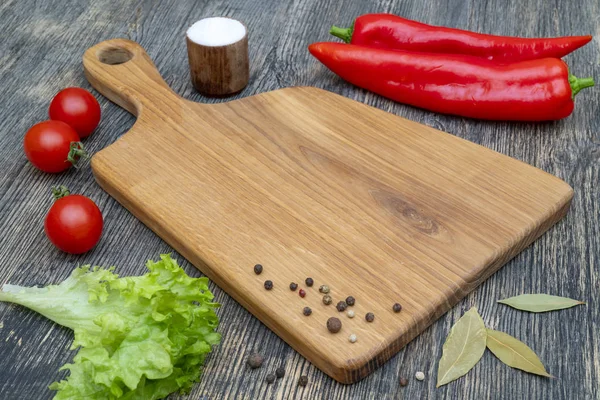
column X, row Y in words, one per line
column 41, row 53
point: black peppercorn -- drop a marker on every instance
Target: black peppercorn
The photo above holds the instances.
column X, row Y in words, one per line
column 270, row 378
column 397, row 307
column 268, row 285
column 370, row 317
column 341, row 306
column 403, row 381
column 293, row 286
column 334, row 325
column 350, row 300
column 258, row 269
column 306, row 311
column 255, row 360
column 280, row 372
column 303, row 381
column 309, row 282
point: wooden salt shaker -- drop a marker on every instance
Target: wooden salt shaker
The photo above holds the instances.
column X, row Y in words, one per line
column 218, row 56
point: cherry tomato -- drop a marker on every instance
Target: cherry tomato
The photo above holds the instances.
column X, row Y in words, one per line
column 52, row 146
column 74, row 222
column 76, row 107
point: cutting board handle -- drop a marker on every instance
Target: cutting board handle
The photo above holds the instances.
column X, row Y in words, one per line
column 122, row 71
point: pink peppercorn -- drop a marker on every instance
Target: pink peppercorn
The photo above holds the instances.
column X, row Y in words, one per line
column 302, row 293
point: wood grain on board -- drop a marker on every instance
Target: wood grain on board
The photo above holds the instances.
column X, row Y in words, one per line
column 41, row 54
column 311, row 184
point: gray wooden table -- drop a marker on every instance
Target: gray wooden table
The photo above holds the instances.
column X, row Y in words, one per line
column 40, row 53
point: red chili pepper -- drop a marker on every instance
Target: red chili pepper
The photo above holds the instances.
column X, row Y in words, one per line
column 393, row 32
column 534, row 90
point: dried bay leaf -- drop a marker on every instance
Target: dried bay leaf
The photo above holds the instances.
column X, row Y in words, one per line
column 540, row 302
column 515, row 353
column 463, row 348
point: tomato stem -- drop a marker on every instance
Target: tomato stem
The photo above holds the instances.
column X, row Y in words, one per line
column 343, row 33
column 60, row 191
column 77, row 154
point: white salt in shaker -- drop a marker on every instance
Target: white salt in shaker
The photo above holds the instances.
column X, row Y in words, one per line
column 218, row 56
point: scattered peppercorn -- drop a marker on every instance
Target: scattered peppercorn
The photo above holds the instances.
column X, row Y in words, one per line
column 327, row 300
column 270, row 378
column 303, row 381
column 397, row 307
column 268, row 285
column 334, row 325
column 352, row 338
column 350, row 313
column 302, row 293
column 309, row 282
column 255, row 360
column 258, row 269
column 420, row 376
column 350, row 300
column 307, row 311
column 403, row 381
column 280, row 372
column 370, row 317
column 324, row 289
column 341, row 306
column 293, row 286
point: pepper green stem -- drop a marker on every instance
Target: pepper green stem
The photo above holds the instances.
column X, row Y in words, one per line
column 343, row 33
column 77, row 154
column 59, row 192
column 579, row 83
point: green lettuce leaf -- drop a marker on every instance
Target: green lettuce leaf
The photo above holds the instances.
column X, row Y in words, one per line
column 139, row 338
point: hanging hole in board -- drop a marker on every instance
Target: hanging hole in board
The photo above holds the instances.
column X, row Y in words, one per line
column 114, row 55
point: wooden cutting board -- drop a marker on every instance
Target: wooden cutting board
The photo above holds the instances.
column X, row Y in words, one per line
column 312, row 184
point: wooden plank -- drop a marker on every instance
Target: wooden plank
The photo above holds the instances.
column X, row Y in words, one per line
column 41, row 54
